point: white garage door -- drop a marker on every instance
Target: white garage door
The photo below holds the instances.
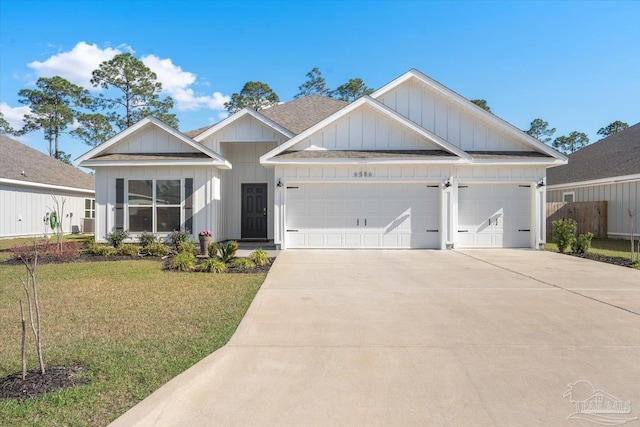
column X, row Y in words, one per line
column 375, row 215
column 494, row 216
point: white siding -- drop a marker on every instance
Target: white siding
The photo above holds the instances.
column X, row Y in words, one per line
column 207, row 208
column 620, row 196
column 24, row 208
column 447, row 119
column 245, row 129
column 151, row 139
column 244, row 156
column 365, row 129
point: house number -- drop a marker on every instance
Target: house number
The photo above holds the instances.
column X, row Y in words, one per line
column 363, row 174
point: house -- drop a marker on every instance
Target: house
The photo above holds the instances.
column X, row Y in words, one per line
column 28, row 179
column 606, row 170
column 414, row 165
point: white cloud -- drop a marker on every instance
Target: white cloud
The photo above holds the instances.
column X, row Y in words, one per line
column 14, row 115
column 177, row 84
column 77, row 64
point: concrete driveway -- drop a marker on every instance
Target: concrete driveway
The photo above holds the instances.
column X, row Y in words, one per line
column 478, row 337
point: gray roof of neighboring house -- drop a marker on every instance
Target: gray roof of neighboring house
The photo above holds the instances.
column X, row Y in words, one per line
column 297, row 115
column 616, row 155
column 38, row 167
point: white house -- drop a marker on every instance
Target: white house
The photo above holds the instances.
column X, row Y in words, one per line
column 28, row 180
column 414, row 165
column 607, row 170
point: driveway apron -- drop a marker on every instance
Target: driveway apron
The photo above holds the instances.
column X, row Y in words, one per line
column 445, row 338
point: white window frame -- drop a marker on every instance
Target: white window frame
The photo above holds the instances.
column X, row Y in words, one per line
column 569, row 193
column 92, row 208
column 153, row 204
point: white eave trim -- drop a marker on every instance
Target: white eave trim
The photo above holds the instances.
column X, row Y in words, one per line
column 610, row 180
column 111, row 163
column 17, row 182
column 491, row 118
column 236, row 116
column 367, row 161
column 524, row 162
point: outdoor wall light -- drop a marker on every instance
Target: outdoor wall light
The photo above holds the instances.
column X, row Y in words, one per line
column 540, row 183
column 279, row 184
column 447, row 184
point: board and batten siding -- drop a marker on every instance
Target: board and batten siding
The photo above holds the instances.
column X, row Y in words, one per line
column 621, row 196
column 24, row 208
column 448, row 120
column 152, row 139
column 245, row 129
column 207, row 207
column 244, row 156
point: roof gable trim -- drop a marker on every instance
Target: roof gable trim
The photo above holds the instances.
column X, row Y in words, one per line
column 236, row 116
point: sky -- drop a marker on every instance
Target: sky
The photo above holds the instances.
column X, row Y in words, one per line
column 575, row 64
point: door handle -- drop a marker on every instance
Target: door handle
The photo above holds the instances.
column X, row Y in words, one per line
column 365, row 222
column 489, row 221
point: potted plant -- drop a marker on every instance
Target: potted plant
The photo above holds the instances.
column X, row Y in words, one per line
column 206, row 236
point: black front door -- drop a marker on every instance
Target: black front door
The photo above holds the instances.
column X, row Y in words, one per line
column 254, row 211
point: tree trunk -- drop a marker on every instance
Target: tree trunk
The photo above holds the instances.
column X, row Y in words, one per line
column 24, row 342
column 37, row 303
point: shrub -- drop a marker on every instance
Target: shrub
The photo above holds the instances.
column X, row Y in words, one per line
column 583, row 243
column 176, row 237
column 184, row 261
column 156, row 249
column 225, row 252
column 68, row 253
column 186, row 246
column 105, row 251
column 245, row 263
column 564, row 233
column 259, row 257
column 213, row 249
column 145, row 239
column 212, row 265
column 116, row 238
column 128, row 249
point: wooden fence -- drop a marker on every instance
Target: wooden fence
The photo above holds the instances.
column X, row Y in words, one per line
column 590, row 216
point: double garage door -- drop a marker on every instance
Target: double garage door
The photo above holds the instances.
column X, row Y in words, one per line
column 375, row 215
column 494, row 216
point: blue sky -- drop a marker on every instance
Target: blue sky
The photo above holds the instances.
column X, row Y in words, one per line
column 573, row 64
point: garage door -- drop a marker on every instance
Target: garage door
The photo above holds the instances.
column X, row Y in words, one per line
column 494, row 216
column 372, row 215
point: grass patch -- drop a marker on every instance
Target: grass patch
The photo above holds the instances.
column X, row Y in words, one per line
column 617, row 248
column 131, row 324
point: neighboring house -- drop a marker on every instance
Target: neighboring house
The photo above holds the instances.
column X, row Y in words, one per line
column 606, row 170
column 28, row 179
column 414, row 165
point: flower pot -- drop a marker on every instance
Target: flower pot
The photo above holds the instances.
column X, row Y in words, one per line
column 204, row 245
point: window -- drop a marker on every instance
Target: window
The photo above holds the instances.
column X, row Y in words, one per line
column 89, row 208
column 154, row 205
column 568, row 197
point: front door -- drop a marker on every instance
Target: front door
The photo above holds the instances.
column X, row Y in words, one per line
column 254, row 211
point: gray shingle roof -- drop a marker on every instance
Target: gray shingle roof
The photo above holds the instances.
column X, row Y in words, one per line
column 362, row 154
column 616, row 155
column 507, row 155
column 38, row 167
column 149, row 156
column 297, row 115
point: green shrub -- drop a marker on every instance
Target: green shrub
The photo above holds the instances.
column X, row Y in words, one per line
column 145, row 239
column 225, row 252
column 213, row 249
column 90, row 242
column 105, row 251
column 245, row 263
column 176, row 237
column 129, row 249
column 564, row 233
column 212, row 265
column 184, row 261
column 156, row 249
column 186, row 246
column 259, row 257
column 116, row 238
column 583, row 243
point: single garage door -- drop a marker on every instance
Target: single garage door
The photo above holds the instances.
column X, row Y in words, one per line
column 494, row 216
column 375, row 215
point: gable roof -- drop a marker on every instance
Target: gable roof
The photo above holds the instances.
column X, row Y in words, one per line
column 302, row 113
column 93, row 157
column 615, row 156
column 39, row 168
column 366, row 100
column 237, row 116
column 469, row 106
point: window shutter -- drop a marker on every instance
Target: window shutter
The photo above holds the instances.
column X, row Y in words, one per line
column 188, row 204
column 119, row 204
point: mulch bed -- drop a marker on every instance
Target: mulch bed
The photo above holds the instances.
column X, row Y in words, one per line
column 35, row 384
column 603, row 258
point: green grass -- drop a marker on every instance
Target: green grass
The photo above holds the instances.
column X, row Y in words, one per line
column 618, row 248
column 131, row 324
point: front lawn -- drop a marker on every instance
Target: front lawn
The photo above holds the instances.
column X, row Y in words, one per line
column 616, row 248
column 132, row 325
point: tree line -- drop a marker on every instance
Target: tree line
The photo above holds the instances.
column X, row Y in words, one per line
column 134, row 92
